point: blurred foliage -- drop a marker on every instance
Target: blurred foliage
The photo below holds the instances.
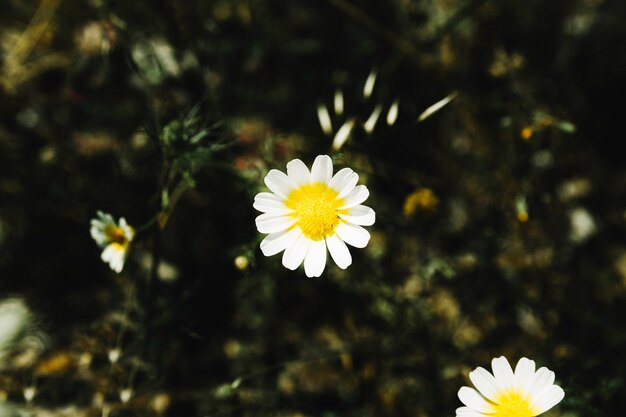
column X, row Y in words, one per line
column 501, row 219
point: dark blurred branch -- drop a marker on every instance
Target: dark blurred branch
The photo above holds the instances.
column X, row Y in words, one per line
column 397, row 40
column 463, row 13
column 390, row 36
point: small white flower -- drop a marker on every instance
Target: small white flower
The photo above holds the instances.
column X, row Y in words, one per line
column 310, row 211
column 114, row 238
column 523, row 393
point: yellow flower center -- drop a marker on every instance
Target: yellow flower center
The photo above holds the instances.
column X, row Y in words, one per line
column 316, row 208
column 512, row 404
column 117, row 236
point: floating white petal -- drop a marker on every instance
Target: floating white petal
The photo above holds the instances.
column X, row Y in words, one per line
column 370, row 123
column 338, row 103
column 343, row 134
column 436, row 107
column 368, row 88
column 324, row 118
column 392, row 114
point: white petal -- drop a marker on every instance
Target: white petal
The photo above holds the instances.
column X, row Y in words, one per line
column 353, row 234
column 343, row 134
column 294, row 254
column 344, row 181
column 96, row 224
column 361, row 215
column 436, row 107
column 324, row 118
column 549, row 397
column 392, row 114
column 524, row 375
column 368, row 88
column 543, row 379
column 370, row 123
column 467, row 412
column 298, row 172
column 129, row 232
column 114, row 257
column 272, row 223
column 338, row 102
column 471, row 398
column 322, row 170
column 108, row 253
column 339, row 251
column 270, row 203
column 105, row 218
column 485, row 383
column 99, row 236
column 358, row 195
column 279, row 183
column 117, row 264
column 277, row 242
column 315, row 260
column 502, row 372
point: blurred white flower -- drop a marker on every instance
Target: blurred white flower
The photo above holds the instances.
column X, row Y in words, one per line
column 114, row 238
column 307, row 212
column 21, row 342
column 523, row 393
column 15, row 320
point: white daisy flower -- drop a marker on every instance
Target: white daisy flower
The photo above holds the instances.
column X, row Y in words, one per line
column 114, row 238
column 523, row 393
column 310, row 211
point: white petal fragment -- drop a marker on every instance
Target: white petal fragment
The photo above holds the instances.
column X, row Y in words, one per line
column 358, row 195
column 471, row 398
column 503, row 372
column 322, row 170
column 324, row 118
column 485, row 383
column 368, row 88
column 524, row 375
column 543, row 379
column 344, row 181
column 274, row 223
column 353, row 234
column 370, row 123
column 361, row 215
column 298, row 172
column 338, row 102
column 114, row 257
column 467, row 412
column 275, row 243
column 392, row 114
column 339, row 251
column 343, row 134
column 270, row 203
column 548, row 398
column 295, row 254
column 279, row 183
column 315, row 260
column 436, row 107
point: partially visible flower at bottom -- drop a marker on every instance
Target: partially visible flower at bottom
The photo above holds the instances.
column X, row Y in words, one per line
column 114, row 238
column 523, row 393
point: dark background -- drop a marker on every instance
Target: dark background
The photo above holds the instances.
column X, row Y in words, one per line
column 519, row 249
